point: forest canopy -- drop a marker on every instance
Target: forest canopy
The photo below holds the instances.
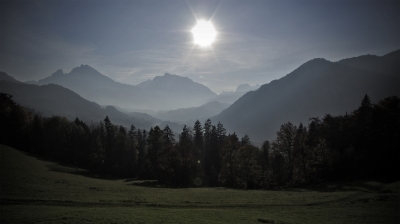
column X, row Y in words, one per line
column 361, row 145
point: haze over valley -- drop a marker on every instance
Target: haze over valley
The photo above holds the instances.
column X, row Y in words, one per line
column 316, row 88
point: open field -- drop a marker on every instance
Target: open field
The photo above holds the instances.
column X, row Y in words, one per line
column 36, row 191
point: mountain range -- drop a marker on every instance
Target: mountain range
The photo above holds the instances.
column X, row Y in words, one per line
column 246, row 88
column 316, row 88
column 162, row 93
column 51, row 100
column 231, row 97
column 190, row 115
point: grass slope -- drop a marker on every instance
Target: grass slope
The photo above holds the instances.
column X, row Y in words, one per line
column 36, row 191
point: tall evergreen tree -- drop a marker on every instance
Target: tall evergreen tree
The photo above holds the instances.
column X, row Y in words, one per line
column 248, row 168
column 132, row 151
column 300, row 154
column 228, row 172
column 207, row 133
column 186, row 156
column 284, row 144
column 245, row 140
column 142, row 152
column 154, row 149
column 169, row 137
column 213, row 157
column 198, row 139
column 109, row 153
column 264, row 162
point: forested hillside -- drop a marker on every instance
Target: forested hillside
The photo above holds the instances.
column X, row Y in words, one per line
column 362, row 144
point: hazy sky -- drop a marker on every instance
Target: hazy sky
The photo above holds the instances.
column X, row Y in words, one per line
column 132, row 41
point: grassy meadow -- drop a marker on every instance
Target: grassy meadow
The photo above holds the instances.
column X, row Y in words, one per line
column 38, row 191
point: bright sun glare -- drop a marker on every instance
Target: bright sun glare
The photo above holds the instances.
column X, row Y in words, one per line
column 204, row 33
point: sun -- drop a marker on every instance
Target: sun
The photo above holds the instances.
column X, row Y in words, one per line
column 204, row 33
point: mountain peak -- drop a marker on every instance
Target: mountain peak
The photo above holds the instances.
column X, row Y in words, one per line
column 6, row 77
column 84, row 68
column 246, row 87
column 59, row 72
column 167, row 77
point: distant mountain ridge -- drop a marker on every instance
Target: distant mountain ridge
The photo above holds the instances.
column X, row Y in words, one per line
column 246, row 87
column 55, row 100
column 316, row 88
column 4, row 76
column 190, row 115
column 163, row 92
column 168, row 83
column 231, row 97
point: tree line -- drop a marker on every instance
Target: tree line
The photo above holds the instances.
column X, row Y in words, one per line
column 361, row 145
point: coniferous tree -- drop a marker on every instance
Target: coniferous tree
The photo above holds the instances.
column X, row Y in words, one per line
column 169, row 137
column 264, row 161
column 207, row 160
column 278, row 168
column 132, row 151
column 207, row 134
column 228, row 172
column 213, row 158
column 167, row 163
column 386, row 139
column 109, row 153
column 186, row 157
column 363, row 125
column 221, row 134
column 36, row 135
column 248, row 169
column 198, row 139
column 154, row 149
column 300, row 154
column 284, row 144
column 142, row 152
column 245, row 140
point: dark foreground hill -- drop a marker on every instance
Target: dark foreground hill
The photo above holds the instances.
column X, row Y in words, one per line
column 55, row 100
column 316, row 88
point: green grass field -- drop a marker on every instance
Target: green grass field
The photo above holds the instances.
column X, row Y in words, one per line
column 37, row 191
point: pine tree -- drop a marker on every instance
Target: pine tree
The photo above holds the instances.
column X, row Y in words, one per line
column 248, row 168
column 245, row 140
column 284, row 144
column 198, row 139
column 186, row 156
column 264, row 162
column 154, row 150
column 109, row 153
column 142, row 152
column 132, row 151
column 207, row 133
column 228, row 172
column 300, row 153
column 169, row 137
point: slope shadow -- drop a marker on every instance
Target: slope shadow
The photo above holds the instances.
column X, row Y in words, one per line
column 63, row 168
